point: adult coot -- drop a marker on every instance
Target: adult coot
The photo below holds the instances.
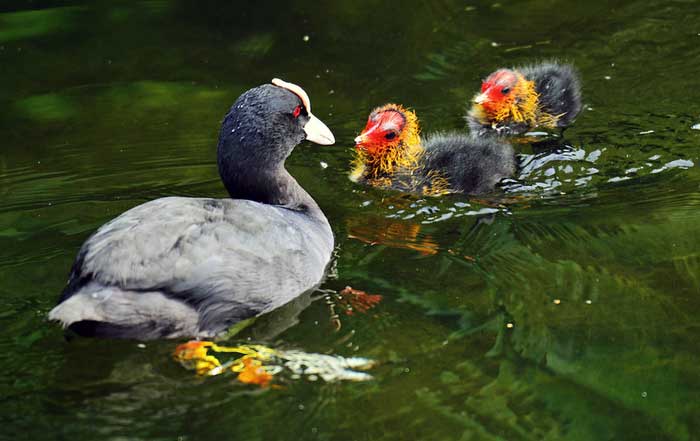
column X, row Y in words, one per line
column 390, row 153
column 513, row 101
column 191, row 267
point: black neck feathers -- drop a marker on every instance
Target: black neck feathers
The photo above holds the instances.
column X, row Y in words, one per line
column 254, row 141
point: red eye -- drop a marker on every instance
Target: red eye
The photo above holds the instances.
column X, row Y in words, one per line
column 297, row 112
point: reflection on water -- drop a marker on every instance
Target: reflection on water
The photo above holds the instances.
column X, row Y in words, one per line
column 561, row 307
column 383, row 231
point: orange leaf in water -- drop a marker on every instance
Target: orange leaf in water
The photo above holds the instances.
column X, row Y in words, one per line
column 254, row 373
column 356, row 300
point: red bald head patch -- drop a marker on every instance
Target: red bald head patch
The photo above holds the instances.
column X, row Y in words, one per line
column 497, row 89
column 383, row 130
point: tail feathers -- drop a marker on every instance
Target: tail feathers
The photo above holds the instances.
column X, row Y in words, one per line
column 101, row 311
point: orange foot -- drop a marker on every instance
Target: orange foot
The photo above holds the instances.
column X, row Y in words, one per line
column 194, row 355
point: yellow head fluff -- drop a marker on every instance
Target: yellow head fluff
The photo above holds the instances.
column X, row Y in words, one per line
column 395, row 166
column 402, row 154
column 525, row 107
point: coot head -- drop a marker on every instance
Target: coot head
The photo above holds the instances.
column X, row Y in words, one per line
column 498, row 87
column 259, row 132
column 267, row 122
column 390, row 131
column 506, row 94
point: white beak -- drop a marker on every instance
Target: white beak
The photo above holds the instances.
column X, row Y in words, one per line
column 358, row 139
column 481, row 98
column 318, row 132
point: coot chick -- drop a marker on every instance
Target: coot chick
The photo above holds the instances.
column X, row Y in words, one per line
column 192, row 267
column 515, row 101
column 390, row 153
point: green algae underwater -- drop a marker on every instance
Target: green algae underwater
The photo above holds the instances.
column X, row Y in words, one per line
column 562, row 308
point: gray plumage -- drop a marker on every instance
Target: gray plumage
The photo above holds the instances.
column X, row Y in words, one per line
column 471, row 164
column 559, row 88
column 192, row 267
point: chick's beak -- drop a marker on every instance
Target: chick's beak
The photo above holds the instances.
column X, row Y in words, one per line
column 481, row 98
column 318, row 132
column 365, row 136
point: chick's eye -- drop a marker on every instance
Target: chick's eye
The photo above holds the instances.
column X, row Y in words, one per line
column 505, row 90
column 390, row 135
column 297, row 112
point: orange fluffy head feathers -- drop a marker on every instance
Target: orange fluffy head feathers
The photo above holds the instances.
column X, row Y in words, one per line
column 390, row 140
column 506, row 95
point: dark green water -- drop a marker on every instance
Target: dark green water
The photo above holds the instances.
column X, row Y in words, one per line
column 106, row 105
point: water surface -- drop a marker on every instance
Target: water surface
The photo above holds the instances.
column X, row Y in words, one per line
column 563, row 308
